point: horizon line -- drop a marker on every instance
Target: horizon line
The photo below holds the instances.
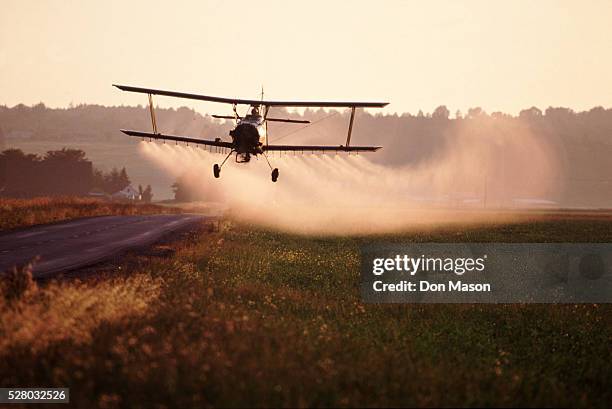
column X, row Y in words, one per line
column 378, row 112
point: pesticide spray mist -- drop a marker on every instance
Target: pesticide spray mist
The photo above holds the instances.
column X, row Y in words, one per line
column 342, row 194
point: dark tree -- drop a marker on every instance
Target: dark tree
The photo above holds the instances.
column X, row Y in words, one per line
column 147, row 194
column 530, row 114
column 111, row 182
column 180, row 193
column 18, row 155
column 66, row 155
column 475, row 113
column 61, row 172
column 182, row 190
column 123, row 177
column 441, row 112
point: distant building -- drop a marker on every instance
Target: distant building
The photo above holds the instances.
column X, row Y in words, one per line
column 128, row 193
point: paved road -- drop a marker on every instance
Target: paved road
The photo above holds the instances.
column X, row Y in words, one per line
column 69, row 245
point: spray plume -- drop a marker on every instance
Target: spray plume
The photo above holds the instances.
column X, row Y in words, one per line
column 342, row 194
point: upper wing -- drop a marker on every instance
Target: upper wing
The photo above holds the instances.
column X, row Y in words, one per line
column 252, row 101
column 175, row 138
column 320, row 148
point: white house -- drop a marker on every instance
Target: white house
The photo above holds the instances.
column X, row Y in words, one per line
column 128, row 193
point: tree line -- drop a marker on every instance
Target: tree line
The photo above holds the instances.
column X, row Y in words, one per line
column 59, row 172
column 581, row 140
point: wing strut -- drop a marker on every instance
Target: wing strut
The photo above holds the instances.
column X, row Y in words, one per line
column 265, row 117
column 350, row 130
column 152, row 110
column 236, row 116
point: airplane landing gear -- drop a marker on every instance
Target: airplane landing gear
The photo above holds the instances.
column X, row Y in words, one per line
column 217, row 168
column 274, row 171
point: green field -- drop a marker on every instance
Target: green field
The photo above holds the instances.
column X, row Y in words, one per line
column 244, row 316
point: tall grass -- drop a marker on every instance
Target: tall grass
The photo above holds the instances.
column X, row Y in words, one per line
column 28, row 212
column 250, row 317
column 41, row 317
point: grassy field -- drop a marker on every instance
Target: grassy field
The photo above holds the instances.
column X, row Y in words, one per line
column 27, row 212
column 245, row 316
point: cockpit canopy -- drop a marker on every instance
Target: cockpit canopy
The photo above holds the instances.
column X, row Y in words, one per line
column 254, row 117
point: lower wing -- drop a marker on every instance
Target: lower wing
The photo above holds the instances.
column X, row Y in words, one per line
column 267, row 148
column 319, row 148
column 217, row 142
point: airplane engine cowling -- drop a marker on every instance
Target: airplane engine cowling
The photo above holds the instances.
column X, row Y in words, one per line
column 245, row 135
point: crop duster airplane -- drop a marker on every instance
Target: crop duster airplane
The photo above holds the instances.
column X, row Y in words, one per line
column 250, row 136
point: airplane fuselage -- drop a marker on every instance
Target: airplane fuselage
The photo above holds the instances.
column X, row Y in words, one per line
column 249, row 136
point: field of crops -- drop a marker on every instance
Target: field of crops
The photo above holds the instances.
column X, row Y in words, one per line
column 243, row 316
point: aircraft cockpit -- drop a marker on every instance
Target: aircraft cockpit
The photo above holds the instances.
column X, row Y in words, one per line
column 254, row 116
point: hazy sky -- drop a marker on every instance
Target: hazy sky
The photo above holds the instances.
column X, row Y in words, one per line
column 415, row 54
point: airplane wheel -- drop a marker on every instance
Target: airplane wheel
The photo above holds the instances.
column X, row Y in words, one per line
column 275, row 175
column 216, row 170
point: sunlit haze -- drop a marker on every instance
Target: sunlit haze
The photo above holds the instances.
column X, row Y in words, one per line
column 417, row 55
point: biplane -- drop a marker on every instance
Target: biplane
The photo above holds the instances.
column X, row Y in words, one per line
column 250, row 136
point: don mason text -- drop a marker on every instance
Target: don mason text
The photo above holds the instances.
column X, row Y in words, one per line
column 426, row 286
